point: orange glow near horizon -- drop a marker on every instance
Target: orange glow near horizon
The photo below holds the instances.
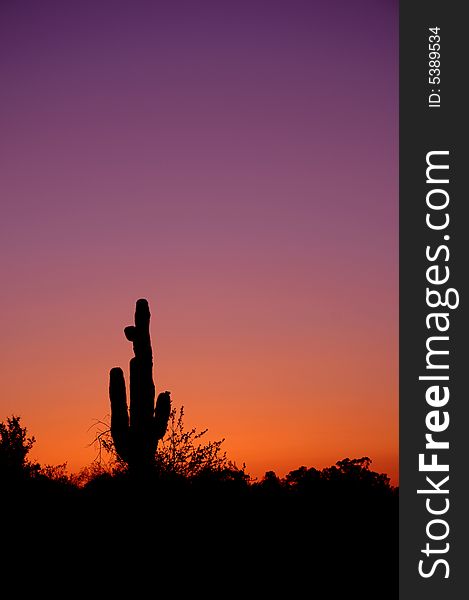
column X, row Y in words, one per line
column 279, row 401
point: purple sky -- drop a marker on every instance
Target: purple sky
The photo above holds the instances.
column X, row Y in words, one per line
column 235, row 163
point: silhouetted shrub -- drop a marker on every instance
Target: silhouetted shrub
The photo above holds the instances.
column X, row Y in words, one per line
column 181, row 453
column 57, row 473
column 15, row 446
column 184, row 453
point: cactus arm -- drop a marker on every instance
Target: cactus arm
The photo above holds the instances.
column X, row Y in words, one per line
column 162, row 412
column 119, row 412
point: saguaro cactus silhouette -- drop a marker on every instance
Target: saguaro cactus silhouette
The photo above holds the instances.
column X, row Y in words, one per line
column 136, row 438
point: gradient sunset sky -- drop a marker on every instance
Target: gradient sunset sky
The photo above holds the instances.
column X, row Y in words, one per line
column 236, row 163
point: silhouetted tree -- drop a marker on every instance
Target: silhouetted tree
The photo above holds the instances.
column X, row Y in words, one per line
column 271, row 482
column 15, row 445
column 303, row 479
column 357, row 472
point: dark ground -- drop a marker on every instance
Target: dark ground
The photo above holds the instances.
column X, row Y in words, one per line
column 330, row 534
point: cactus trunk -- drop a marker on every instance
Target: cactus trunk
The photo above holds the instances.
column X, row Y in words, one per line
column 136, row 438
